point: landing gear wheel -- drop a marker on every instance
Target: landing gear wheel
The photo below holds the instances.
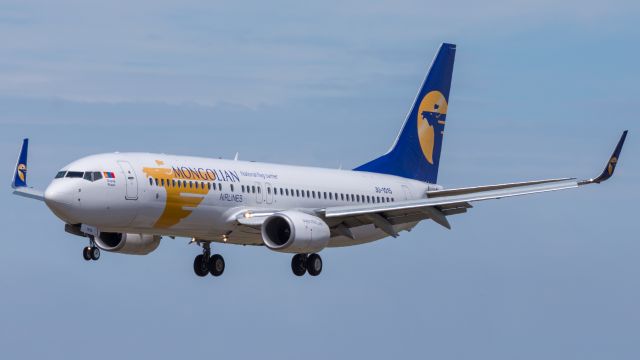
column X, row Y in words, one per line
column 216, row 265
column 94, row 252
column 200, row 266
column 299, row 264
column 86, row 253
column 314, row 264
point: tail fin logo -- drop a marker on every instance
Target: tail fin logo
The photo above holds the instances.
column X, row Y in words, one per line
column 22, row 172
column 431, row 113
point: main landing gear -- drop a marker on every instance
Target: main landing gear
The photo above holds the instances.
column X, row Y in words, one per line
column 91, row 252
column 302, row 263
column 208, row 264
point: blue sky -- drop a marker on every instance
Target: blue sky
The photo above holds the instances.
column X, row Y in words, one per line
column 540, row 89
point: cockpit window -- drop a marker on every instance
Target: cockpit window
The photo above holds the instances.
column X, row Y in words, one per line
column 60, row 174
column 75, row 174
column 92, row 176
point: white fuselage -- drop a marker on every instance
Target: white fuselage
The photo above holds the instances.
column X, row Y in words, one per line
column 201, row 198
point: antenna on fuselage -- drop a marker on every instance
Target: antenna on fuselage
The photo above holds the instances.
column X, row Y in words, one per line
column 236, row 157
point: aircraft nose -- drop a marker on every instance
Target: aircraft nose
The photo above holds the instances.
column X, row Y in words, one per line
column 58, row 193
column 59, row 198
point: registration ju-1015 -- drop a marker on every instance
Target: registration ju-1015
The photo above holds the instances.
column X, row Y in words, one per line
column 383, row 190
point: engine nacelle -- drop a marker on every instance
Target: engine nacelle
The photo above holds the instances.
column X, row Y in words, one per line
column 295, row 232
column 132, row 244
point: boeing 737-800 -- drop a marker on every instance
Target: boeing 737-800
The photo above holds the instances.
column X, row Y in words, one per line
column 126, row 202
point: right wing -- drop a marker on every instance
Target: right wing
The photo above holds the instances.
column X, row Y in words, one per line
column 441, row 203
column 436, row 206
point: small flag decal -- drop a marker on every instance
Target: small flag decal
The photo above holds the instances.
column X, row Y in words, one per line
column 109, row 175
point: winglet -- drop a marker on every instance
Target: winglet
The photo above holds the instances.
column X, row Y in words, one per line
column 19, row 182
column 611, row 165
column 20, row 171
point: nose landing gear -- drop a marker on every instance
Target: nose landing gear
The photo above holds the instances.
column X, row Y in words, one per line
column 301, row 264
column 91, row 252
column 206, row 263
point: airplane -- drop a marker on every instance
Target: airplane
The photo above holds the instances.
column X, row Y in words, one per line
column 126, row 202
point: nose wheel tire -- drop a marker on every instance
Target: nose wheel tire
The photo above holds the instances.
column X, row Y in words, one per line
column 216, row 265
column 91, row 253
column 200, row 266
column 299, row 264
column 314, row 264
column 95, row 253
column 86, row 253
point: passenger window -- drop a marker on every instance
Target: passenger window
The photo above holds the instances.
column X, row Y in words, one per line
column 231, row 186
column 162, row 182
column 358, row 198
column 208, row 186
column 297, row 193
column 253, row 189
column 286, row 191
column 156, row 180
column 150, row 181
column 330, row 196
column 325, row 195
column 268, row 190
column 60, row 174
column 313, row 194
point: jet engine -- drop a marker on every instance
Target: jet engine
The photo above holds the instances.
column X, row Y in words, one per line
column 295, row 232
column 132, row 244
